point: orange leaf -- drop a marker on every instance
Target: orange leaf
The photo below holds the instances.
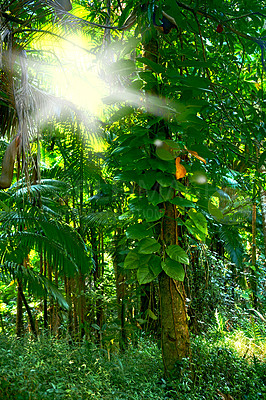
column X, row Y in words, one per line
column 180, row 169
column 195, row 154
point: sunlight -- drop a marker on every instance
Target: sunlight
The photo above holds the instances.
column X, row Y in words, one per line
column 73, row 72
column 79, row 82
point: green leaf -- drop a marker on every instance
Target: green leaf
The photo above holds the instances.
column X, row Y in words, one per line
column 164, row 152
column 154, row 197
column 176, row 253
column 138, row 231
column 194, row 230
column 95, row 326
column 144, row 275
column 173, row 269
column 167, row 193
column 132, row 260
column 168, row 166
column 123, row 67
column 152, row 213
column 199, row 220
column 4, row 206
column 180, row 201
column 215, row 211
column 123, row 112
column 154, row 66
column 173, row 145
column 147, row 180
column 148, row 76
column 164, row 180
column 148, row 246
column 262, row 159
column 127, row 176
column 155, row 265
column 151, row 314
column 149, row 269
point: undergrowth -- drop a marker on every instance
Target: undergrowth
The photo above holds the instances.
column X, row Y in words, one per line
column 53, row 369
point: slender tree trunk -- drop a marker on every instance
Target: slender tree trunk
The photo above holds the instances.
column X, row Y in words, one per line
column 51, row 308
column 81, row 305
column 30, row 316
column 263, row 210
column 253, row 258
column 19, row 318
column 55, row 314
column 43, row 272
column 75, row 308
column 70, row 310
column 120, row 281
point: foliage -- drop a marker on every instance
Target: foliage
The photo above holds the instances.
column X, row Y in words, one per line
column 56, row 369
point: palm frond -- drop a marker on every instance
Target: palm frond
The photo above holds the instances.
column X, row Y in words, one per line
column 32, row 229
column 37, row 284
column 232, row 243
column 103, row 219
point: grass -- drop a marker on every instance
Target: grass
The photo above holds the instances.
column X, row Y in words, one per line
column 53, row 369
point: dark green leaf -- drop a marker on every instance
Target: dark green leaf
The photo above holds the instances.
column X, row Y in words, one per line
column 138, row 231
column 173, row 269
column 132, row 260
column 167, row 193
column 148, row 246
column 176, row 253
column 152, row 213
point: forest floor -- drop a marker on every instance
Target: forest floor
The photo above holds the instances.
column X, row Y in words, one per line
column 223, row 364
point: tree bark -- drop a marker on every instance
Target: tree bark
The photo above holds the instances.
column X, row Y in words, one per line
column 174, row 325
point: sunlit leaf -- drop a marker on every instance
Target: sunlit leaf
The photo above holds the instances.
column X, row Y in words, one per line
column 180, row 169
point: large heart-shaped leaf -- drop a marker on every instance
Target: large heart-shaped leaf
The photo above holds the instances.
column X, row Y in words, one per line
column 176, row 253
column 148, row 246
column 173, row 269
column 138, row 231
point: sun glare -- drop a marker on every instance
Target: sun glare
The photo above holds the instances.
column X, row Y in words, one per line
column 73, row 74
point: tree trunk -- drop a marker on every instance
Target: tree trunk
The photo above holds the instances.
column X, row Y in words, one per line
column 253, row 282
column 81, row 285
column 30, row 316
column 174, row 324
column 120, row 282
column 19, row 318
column 70, row 310
column 174, row 327
column 263, row 213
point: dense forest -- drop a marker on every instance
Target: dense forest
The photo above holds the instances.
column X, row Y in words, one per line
column 132, row 199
